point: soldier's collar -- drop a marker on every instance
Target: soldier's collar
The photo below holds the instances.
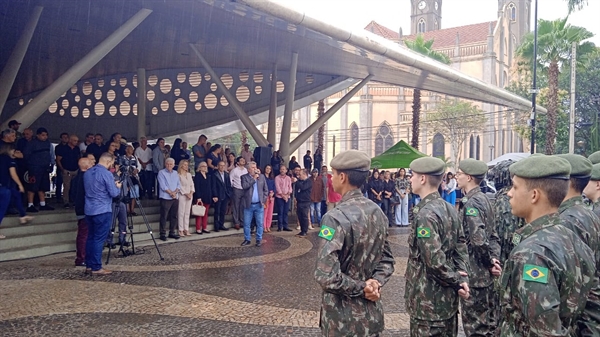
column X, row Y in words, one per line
column 352, row 194
column 426, row 200
column 578, row 200
column 542, row 222
column 473, row 191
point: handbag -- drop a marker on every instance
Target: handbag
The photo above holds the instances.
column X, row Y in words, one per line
column 198, row 210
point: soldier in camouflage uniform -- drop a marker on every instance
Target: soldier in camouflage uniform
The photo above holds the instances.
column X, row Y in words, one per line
column 354, row 259
column 592, row 190
column 505, row 222
column 437, row 268
column 475, row 212
column 580, row 218
column 549, row 273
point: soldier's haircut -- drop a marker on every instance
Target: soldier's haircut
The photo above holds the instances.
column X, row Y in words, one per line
column 355, row 178
column 477, row 180
column 555, row 189
column 579, row 184
column 434, row 181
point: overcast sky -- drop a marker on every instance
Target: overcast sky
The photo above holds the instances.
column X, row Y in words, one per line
column 356, row 14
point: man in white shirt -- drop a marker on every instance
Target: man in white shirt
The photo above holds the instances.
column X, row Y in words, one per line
column 144, row 156
column 246, row 154
column 238, row 193
column 89, row 139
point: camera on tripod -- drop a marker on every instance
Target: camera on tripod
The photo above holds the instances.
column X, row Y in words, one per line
column 126, row 165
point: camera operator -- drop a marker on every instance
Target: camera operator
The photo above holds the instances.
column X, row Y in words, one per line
column 124, row 167
column 134, row 189
column 100, row 188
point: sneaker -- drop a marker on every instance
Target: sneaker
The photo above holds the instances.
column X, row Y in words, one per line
column 46, row 208
column 32, row 209
column 25, row 219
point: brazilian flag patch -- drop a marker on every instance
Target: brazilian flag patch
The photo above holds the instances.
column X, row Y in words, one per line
column 472, row 211
column 534, row 273
column 326, row 233
column 423, row 232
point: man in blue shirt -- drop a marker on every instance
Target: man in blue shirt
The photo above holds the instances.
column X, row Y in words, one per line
column 168, row 190
column 100, row 189
column 254, row 202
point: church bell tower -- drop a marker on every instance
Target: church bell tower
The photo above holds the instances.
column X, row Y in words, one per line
column 518, row 13
column 426, row 16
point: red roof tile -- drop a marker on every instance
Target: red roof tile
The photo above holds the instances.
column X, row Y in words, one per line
column 443, row 38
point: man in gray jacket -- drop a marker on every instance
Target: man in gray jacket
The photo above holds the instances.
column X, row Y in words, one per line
column 254, row 202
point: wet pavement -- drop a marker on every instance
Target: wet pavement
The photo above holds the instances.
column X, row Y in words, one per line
column 208, row 287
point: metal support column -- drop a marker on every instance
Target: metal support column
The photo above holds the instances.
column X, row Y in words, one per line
column 272, row 125
column 290, row 93
column 233, row 102
column 9, row 73
column 32, row 111
column 141, row 103
column 314, row 127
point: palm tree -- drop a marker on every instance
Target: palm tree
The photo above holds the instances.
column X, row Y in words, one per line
column 576, row 4
column 555, row 39
column 424, row 48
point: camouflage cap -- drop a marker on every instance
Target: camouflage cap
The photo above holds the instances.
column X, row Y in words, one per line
column 595, row 172
column 581, row 167
column 428, row 165
column 595, row 157
column 473, row 167
column 351, row 160
column 548, row 167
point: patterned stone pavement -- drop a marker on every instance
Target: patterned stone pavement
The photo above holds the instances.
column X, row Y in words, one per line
column 209, row 287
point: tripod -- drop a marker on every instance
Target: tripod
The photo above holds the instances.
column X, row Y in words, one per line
column 126, row 182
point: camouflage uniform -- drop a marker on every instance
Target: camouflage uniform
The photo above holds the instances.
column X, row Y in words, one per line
column 477, row 218
column 596, row 208
column 354, row 250
column 580, row 219
column 438, row 252
column 545, row 280
column 505, row 223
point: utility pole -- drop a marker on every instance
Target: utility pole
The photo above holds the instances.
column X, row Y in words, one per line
column 573, row 86
column 534, row 89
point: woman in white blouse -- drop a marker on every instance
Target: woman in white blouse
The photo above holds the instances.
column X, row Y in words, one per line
column 185, row 199
column 450, row 195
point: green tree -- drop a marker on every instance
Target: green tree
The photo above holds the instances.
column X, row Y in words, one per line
column 554, row 52
column 576, row 5
column 424, row 48
column 456, row 120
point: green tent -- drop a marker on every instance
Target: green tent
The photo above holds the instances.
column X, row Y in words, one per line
column 397, row 156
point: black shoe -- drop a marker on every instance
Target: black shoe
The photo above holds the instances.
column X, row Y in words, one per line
column 32, row 209
column 216, row 230
column 205, row 231
column 287, row 230
column 111, row 246
column 301, row 234
column 12, row 211
column 164, row 238
column 245, row 243
column 80, row 264
column 46, row 208
column 279, row 229
column 224, row 229
column 126, row 244
column 258, row 243
column 174, row 236
column 199, row 232
column 67, row 205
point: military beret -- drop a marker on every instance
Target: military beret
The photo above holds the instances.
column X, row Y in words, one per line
column 595, row 157
column 473, row 167
column 581, row 167
column 548, row 167
column 351, row 160
column 428, row 165
column 595, row 172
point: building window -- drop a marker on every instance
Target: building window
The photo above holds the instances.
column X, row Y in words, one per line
column 512, row 11
column 471, row 147
column 421, row 26
column 436, row 25
column 478, row 148
column 353, row 136
column 384, row 139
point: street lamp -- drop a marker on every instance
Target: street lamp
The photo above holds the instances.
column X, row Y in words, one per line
column 534, row 89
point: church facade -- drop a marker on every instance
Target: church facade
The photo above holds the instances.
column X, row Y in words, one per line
column 381, row 114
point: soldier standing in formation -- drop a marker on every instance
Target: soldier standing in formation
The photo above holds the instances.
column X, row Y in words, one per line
column 592, row 190
column 579, row 218
column 549, row 273
column 354, row 260
column 475, row 212
column 438, row 263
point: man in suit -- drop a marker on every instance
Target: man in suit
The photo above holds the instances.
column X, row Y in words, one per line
column 254, row 202
column 221, row 193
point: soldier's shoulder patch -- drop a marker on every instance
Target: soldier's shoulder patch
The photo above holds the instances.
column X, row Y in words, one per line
column 516, row 239
column 471, row 211
column 326, row 233
column 423, row 232
column 535, row 273
column 464, row 200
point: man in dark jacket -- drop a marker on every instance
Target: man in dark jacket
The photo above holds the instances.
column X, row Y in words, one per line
column 40, row 162
column 77, row 195
column 302, row 190
column 222, row 191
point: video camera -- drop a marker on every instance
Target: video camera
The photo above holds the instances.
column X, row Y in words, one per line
column 126, row 163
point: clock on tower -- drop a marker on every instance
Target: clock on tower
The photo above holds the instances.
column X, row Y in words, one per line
column 426, row 16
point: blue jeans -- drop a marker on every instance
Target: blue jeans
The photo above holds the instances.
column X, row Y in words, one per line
column 283, row 208
column 98, row 229
column 5, row 196
column 315, row 212
column 258, row 212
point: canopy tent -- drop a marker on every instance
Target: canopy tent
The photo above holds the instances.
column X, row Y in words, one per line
column 397, row 156
column 516, row 156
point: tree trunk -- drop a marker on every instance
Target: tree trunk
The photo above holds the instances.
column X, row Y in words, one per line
column 552, row 107
column 416, row 115
column 321, row 133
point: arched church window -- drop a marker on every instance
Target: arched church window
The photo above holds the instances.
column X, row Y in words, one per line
column 471, row 147
column 384, row 139
column 477, row 148
column 437, row 26
column 353, row 136
column 421, row 26
column 512, row 11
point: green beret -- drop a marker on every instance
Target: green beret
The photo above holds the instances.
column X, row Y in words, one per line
column 473, row 167
column 428, row 165
column 351, row 160
column 595, row 157
column 581, row 167
column 595, row 172
column 548, row 167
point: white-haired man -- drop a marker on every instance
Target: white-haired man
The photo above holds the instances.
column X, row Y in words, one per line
column 168, row 189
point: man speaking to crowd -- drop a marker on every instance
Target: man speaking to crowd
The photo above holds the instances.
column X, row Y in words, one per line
column 100, row 189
